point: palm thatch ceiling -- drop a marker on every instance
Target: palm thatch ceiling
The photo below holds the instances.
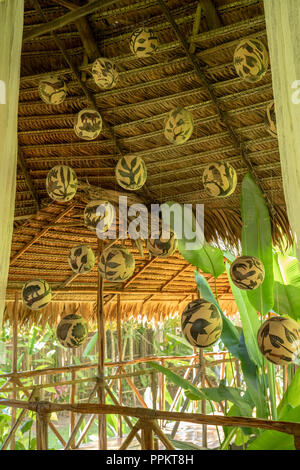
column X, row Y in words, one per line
column 193, row 67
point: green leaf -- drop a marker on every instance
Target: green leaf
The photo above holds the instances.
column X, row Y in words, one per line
column 286, row 285
column 249, row 319
column 179, row 340
column 91, row 344
column 32, row 342
column 26, row 426
column 291, row 396
column 184, row 445
column 257, row 241
column 209, row 259
column 274, row 440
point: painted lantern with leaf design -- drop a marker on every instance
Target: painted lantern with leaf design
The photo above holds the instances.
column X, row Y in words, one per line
column 104, row 73
column 36, row 294
column 88, row 124
column 179, row 125
column 279, row 340
column 72, row 331
column 201, row 323
column 131, row 172
column 99, row 215
column 219, row 179
column 143, row 42
column 247, row 272
column 162, row 247
column 116, row 264
column 61, row 183
column 81, row 259
column 52, row 89
column 270, row 119
column 251, row 60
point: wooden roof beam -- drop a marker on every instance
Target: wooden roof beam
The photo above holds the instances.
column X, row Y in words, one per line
column 211, row 15
column 68, row 18
column 28, row 179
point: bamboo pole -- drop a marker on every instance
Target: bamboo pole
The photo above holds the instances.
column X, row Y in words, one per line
column 203, row 402
column 102, row 437
column 167, row 443
column 42, row 419
column 131, row 435
column 119, row 333
column 72, row 400
column 147, row 435
column 14, row 363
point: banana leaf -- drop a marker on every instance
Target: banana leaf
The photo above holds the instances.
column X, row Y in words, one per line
column 257, row 241
column 235, row 343
column 249, row 319
column 286, row 285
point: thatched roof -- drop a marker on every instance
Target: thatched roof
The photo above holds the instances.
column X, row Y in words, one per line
column 227, row 111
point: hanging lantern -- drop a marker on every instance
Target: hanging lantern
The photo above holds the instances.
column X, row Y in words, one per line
column 279, row 340
column 270, row 119
column 99, row 215
column 72, row 331
column 61, row 183
column 52, row 89
column 201, row 323
column 162, row 247
column 104, row 73
column 251, row 60
column 131, row 172
column 36, row 294
column 219, row 179
column 179, row 125
column 88, row 124
column 247, row 272
column 81, row 259
column 143, row 42
column 116, row 264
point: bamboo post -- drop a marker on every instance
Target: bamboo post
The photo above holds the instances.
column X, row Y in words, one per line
column 203, row 402
column 147, row 435
column 72, row 400
column 42, row 419
column 102, row 442
column 14, row 363
column 119, row 333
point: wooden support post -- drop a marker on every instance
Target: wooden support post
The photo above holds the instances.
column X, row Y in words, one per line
column 42, row 419
column 203, row 402
column 119, row 333
column 72, row 400
column 196, row 27
column 147, row 435
column 14, row 362
column 102, row 443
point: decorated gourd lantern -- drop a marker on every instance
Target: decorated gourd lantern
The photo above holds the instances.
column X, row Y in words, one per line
column 247, row 272
column 201, row 323
column 219, row 179
column 251, row 60
column 179, row 125
column 72, row 331
column 116, row 264
column 162, row 247
column 52, row 89
column 36, row 294
column 61, row 183
column 81, row 259
column 99, row 215
column 279, row 340
column 88, row 124
column 131, row 172
column 143, row 42
column 104, row 73
column 270, row 119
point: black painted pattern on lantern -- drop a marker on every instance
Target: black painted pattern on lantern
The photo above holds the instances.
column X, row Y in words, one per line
column 53, row 90
column 219, row 179
column 116, row 264
column 61, row 183
column 251, row 60
column 179, row 125
column 104, row 73
column 88, row 124
column 247, row 272
column 36, row 294
column 201, row 323
column 131, row 172
column 143, row 42
column 81, row 259
column 279, row 340
column 72, row 331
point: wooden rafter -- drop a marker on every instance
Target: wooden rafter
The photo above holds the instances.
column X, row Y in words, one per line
column 211, row 15
column 68, row 18
column 28, row 179
column 238, row 143
column 42, row 232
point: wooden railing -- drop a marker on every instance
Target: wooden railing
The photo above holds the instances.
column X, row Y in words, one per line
column 147, row 421
column 14, row 385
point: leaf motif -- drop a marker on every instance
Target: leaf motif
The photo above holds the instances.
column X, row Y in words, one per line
column 78, row 252
column 291, row 337
column 276, row 341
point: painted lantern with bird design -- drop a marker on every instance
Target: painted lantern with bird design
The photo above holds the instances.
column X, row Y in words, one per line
column 143, row 42
column 247, row 272
column 201, row 323
column 278, row 339
column 219, row 179
column 52, row 89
